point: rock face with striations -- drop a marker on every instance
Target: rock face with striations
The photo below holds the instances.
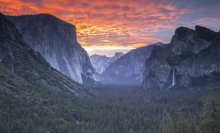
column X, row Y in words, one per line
column 29, row 65
column 101, row 62
column 56, row 41
column 129, row 68
column 203, row 63
column 193, row 53
column 187, row 41
column 158, row 68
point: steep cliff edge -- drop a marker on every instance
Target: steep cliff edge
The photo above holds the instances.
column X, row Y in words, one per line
column 187, row 41
column 203, row 63
column 29, row 66
column 191, row 54
column 56, row 41
column 158, row 68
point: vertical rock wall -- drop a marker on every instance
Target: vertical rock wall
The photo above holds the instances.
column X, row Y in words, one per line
column 56, row 41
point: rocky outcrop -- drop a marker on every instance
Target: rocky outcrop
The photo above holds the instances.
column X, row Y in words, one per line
column 56, row 41
column 101, row 62
column 116, row 56
column 29, row 65
column 193, row 53
column 186, row 41
column 129, row 68
column 158, row 68
column 203, row 63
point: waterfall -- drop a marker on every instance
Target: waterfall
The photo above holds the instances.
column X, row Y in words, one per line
column 174, row 80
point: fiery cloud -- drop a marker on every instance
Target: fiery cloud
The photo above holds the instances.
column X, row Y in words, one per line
column 122, row 25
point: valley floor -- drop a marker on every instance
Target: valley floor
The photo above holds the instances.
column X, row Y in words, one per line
column 115, row 109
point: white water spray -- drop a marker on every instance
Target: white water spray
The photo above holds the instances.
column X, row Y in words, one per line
column 174, row 80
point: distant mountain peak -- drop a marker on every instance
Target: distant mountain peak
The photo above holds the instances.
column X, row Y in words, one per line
column 159, row 43
column 119, row 53
column 96, row 55
column 128, row 69
column 101, row 62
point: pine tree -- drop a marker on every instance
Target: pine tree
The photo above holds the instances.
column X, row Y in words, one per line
column 166, row 125
column 192, row 128
column 212, row 111
column 182, row 126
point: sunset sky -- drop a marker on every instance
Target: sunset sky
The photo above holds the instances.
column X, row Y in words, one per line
column 107, row 26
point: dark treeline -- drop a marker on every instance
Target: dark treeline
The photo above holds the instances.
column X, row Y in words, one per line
column 118, row 109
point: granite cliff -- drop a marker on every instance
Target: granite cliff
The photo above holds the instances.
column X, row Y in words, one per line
column 198, row 65
column 187, row 41
column 56, row 41
column 191, row 53
column 29, row 66
column 158, row 68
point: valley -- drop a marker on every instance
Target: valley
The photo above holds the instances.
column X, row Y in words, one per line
column 49, row 84
column 113, row 109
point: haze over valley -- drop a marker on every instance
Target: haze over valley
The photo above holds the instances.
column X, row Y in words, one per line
column 110, row 67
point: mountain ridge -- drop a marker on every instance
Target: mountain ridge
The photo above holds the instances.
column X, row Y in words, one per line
column 101, row 62
column 129, row 68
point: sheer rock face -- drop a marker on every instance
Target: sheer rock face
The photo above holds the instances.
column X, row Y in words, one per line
column 56, row 41
column 194, row 53
column 29, row 65
column 101, row 62
column 187, row 41
column 203, row 63
column 129, row 68
column 158, row 68
column 13, row 51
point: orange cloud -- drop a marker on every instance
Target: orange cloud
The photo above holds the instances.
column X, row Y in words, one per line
column 125, row 24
